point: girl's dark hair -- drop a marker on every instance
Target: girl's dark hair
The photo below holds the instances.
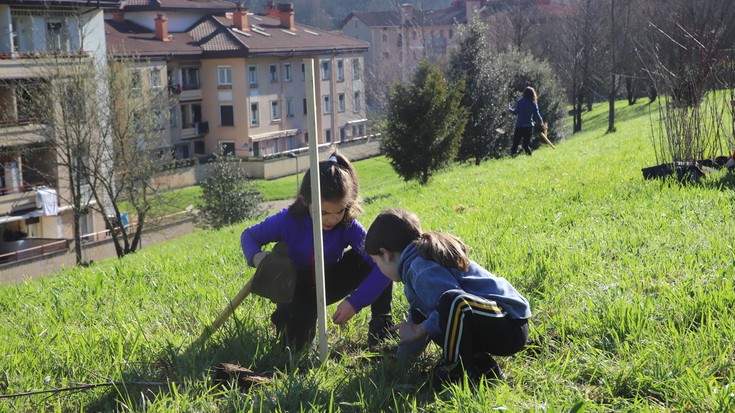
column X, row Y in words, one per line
column 338, row 182
column 394, row 229
column 530, row 94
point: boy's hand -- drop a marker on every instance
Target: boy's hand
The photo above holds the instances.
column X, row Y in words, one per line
column 409, row 332
column 344, row 312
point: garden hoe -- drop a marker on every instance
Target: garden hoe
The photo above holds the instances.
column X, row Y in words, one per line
column 542, row 134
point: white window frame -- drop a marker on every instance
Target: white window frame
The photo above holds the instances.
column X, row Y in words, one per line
column 355, row 69
column 254, row 114
column 253, row 76
column 356, row 104
column 289, row 108
column 224, row 76
column 155, row 79
column 273, row 73
column 326, row 67
column 287, row 72
column 341, row 104
column 275, row 111
column 340, row 70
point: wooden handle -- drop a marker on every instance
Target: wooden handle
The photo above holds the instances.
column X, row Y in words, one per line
column 227, row 312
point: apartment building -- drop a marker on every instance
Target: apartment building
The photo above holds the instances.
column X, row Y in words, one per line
column 402, row 37
column 237, row 78
column 34, row 206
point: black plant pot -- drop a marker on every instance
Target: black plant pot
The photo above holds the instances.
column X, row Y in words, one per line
column 684, row 171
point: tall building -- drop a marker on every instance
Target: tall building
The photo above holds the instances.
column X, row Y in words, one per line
column 237, row 78
column 35, row 207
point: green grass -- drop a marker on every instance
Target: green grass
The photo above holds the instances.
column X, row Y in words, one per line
column 631, row 284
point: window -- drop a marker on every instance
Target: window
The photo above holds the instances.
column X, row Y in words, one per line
column 254, row 117
column 341, row 102
column 327, row 135
column 198, row 147
column 226, row 115
column 303, row 71
column 340, row 71
column 305, row 110
column 57, row 37
column 158, row 120
column 155, row 79
column 135, row 81
column 224, row 76
column 289, row 107
column 385, row 38
column 273, row 73
column 287, row 76
column 327, row 104
column 275, row 110
column 356, row 102
column 355, row 69
column 172, row 117
column 190, row 78
column 228, row 148
column 361, row 129
column 252, row 76
column 342, row 134
column 326, row 70
column 399, row 42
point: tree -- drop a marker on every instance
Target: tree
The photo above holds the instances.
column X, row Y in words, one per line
column 228, row 195
column 485, row 96
column 425, row 123
column 121, row 170
column 63, row 97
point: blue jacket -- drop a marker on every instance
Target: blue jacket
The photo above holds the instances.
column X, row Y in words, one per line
column 425, row 281
column 526, row 111
column 297, row 234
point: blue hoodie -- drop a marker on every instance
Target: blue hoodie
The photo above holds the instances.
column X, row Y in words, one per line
column 425, row 281
column 526, row 111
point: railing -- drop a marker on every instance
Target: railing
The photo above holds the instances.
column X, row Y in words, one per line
column 22, row 254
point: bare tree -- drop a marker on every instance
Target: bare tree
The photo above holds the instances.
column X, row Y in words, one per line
column 63, row 99
column 121, row 170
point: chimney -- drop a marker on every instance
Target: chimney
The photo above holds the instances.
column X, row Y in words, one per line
column 270, row 9
column 118, row 16
column 240, row 18
column 406, row 13
column 286, row 13
column 161, row 27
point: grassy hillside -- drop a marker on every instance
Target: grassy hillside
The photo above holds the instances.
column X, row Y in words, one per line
column 631, row 284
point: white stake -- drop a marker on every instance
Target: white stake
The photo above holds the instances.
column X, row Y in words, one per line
column 316, row 209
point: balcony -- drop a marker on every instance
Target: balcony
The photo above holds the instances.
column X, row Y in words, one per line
column 197, row 130
column 18, row 200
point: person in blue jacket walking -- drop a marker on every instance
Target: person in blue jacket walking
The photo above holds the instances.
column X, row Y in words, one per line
column 469, row 312
column 526, row 112
column 350, row 274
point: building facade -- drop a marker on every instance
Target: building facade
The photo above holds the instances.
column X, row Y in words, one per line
column 237, row 79
column 34, row 204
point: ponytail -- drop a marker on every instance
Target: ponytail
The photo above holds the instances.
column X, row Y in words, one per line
column 445, row 249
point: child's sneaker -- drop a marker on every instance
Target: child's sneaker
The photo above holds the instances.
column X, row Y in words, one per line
column 445, row 373
column 483, row 365
column 379, row 329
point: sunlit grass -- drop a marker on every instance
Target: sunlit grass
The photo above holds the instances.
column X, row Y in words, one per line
column 631, row 284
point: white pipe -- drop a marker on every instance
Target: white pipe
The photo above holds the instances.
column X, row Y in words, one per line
column 316, row 208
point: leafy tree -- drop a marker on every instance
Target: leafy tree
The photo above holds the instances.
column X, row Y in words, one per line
column 484, row 97
column 228, row 195
column 425, row 123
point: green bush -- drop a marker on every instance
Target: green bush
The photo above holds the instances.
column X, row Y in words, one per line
column 228, row 195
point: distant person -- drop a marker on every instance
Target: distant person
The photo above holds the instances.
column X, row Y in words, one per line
column 470, row 313
column 526, row 112
column 350, row 274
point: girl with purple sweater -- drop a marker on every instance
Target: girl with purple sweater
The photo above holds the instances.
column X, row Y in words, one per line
column 350, row 274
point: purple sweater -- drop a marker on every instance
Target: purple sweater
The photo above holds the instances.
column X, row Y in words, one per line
column 297, row 234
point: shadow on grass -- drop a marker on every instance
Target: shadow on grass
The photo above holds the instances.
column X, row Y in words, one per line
column 192, row 367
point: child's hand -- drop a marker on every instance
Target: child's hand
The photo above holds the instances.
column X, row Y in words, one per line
column 409, row 332
column 344, row 312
